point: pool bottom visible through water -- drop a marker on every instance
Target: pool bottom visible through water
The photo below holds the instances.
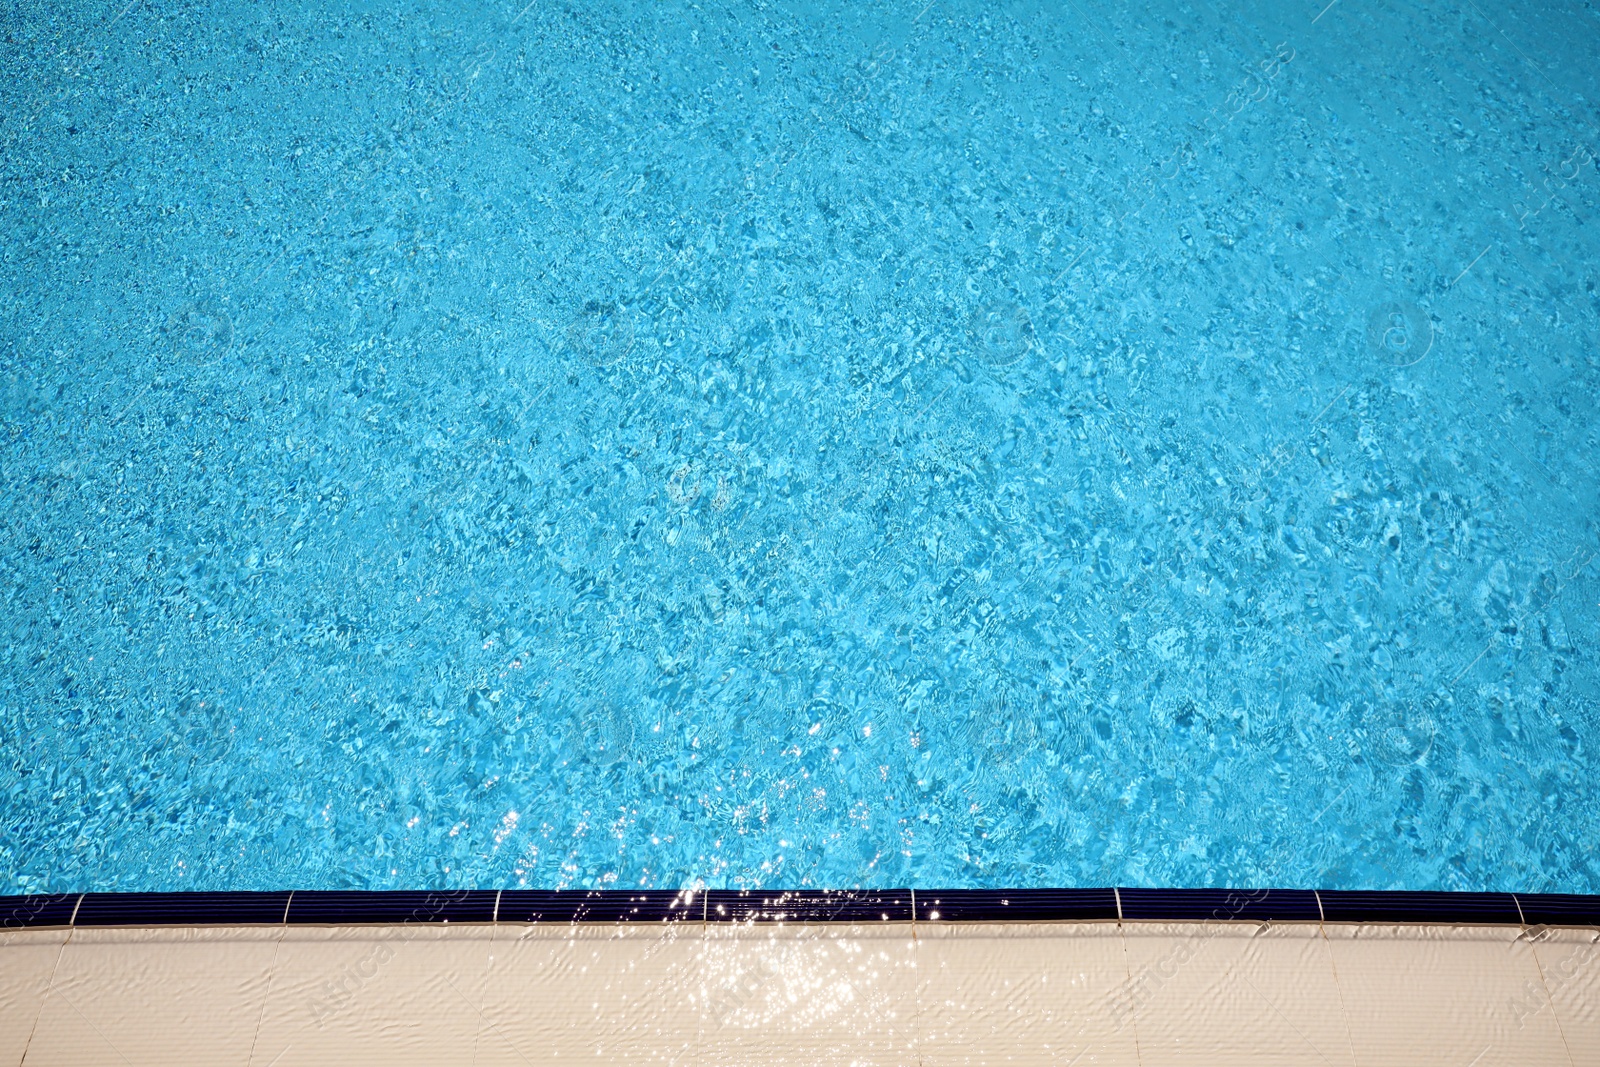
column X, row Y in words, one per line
column 799, row 445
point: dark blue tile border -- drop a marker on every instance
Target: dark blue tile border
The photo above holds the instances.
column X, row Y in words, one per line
column 1558, row 909
column 598, row 906
column 1466, row 909
column 182, row 909
column 817, row 906
column 1220, row 905
column 1016, row 905
column 341, row 908
column 808, row 905
column 53, row 910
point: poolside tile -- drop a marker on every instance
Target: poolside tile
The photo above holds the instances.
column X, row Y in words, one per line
column 1046, row 994
column 1234, row 993
column 593, row 994
column 27, row 959
column 1145, row 993
column 374, row 995
column 1569, row 962
column 1434, row 994
column 781, row 994
column 173, row 996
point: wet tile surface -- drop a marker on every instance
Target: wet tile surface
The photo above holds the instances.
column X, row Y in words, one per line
column 1065, row 1004
column 385, row 995
column 1568, row 962
column 601, row 994
column 1274, row 985
column 175, row 996
column 1443, row 995
column 27, row 961
column 1139, row 994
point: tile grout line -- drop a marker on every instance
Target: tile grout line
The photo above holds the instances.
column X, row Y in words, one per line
column 1127, row 969
column 702, row 1036
column 1279, row 1013
column 51, row 985
column 266, row 997
column 486, row 1020
column 488, row 967
column 101, row 1034
column 1333, row 966
column 917, row 1001
column 917, row 951
column 1543, row 982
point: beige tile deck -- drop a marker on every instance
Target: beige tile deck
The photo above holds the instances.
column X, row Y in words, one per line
column 1036, row 994
column 1274, row 986
column 1146, row 994
column 590, row 994
column 27, row 960
column 1569, row 961
column 1429, row 994
column 173, row 995
column 354, row 996
column 820, row 993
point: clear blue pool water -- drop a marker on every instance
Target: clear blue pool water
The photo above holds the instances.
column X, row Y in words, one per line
column 766, row 443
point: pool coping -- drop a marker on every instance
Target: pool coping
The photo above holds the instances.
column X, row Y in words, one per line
column 523, row 906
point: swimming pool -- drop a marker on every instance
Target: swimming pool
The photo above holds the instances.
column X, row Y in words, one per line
column 771, row 444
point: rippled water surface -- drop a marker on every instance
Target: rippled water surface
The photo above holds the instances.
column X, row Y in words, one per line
column 799, row 444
